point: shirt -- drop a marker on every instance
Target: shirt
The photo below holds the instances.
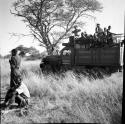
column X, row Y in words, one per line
column 23, row 89
column 99, row 30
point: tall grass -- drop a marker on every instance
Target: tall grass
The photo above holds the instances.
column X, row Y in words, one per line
column 64, row 98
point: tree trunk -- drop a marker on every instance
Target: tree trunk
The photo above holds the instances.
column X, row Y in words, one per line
column 49, row 46
column 49, row 50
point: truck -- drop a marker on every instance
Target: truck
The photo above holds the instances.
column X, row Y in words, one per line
column 81, row 53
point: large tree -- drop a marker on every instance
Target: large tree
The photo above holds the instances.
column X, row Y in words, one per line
column 50, row 21
column 24, row 50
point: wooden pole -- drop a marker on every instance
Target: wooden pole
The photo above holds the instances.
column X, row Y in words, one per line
column 122, row 119
column 124, row 25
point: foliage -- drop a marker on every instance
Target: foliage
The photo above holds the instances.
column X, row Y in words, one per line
column 50, row 21
column 7, row 56
column 32, row 51
column 1, row 56
column 23, row 49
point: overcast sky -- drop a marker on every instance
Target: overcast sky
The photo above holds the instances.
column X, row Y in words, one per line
column 112, row 14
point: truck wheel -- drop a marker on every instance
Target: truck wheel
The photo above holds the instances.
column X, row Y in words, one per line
column 48, row 68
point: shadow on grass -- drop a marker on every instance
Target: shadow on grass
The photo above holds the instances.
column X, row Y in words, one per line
column 3, row 106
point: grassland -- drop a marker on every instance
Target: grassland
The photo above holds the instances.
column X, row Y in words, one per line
column 65, row 98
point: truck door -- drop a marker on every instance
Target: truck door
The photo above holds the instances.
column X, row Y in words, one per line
column 66, row 57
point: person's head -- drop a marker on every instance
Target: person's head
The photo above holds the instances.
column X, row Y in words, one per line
column 85, row 32
column 75, row 26
column 109, row 27
column 14, row 52
column 105, row 29
column 98, row 25
column 82, row 34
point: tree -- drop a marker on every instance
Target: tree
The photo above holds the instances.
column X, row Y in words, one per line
column 30, row 50
column 22, row 49
column 7, row 56
column 34, row 54
column 1, row 56
column 33, row 51
column 45, row 17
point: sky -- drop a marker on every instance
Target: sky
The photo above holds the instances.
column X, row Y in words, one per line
column 112, row 14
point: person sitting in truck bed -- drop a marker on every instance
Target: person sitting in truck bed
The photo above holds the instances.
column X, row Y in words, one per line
column 84, row 39
column 75, row 32
column 83, row 35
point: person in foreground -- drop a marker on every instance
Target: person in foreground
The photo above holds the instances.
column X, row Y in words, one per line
column 18, row 91
column 18, row 95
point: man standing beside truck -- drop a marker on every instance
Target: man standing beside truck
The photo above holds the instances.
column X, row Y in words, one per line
column 15, row 62
column 18, row 91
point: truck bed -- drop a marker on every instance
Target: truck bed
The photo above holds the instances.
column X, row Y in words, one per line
column 108, row 56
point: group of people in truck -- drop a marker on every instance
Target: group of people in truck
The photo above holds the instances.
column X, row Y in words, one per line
column 105, row 35
column 101, row 36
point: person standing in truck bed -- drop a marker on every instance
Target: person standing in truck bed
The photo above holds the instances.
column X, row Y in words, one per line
column 98, row 30
column 109, row 35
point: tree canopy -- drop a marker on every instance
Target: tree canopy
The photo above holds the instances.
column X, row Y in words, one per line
column 30, row 50
column 50, row 21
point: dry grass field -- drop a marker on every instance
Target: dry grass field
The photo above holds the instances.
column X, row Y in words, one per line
column 64, row 98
